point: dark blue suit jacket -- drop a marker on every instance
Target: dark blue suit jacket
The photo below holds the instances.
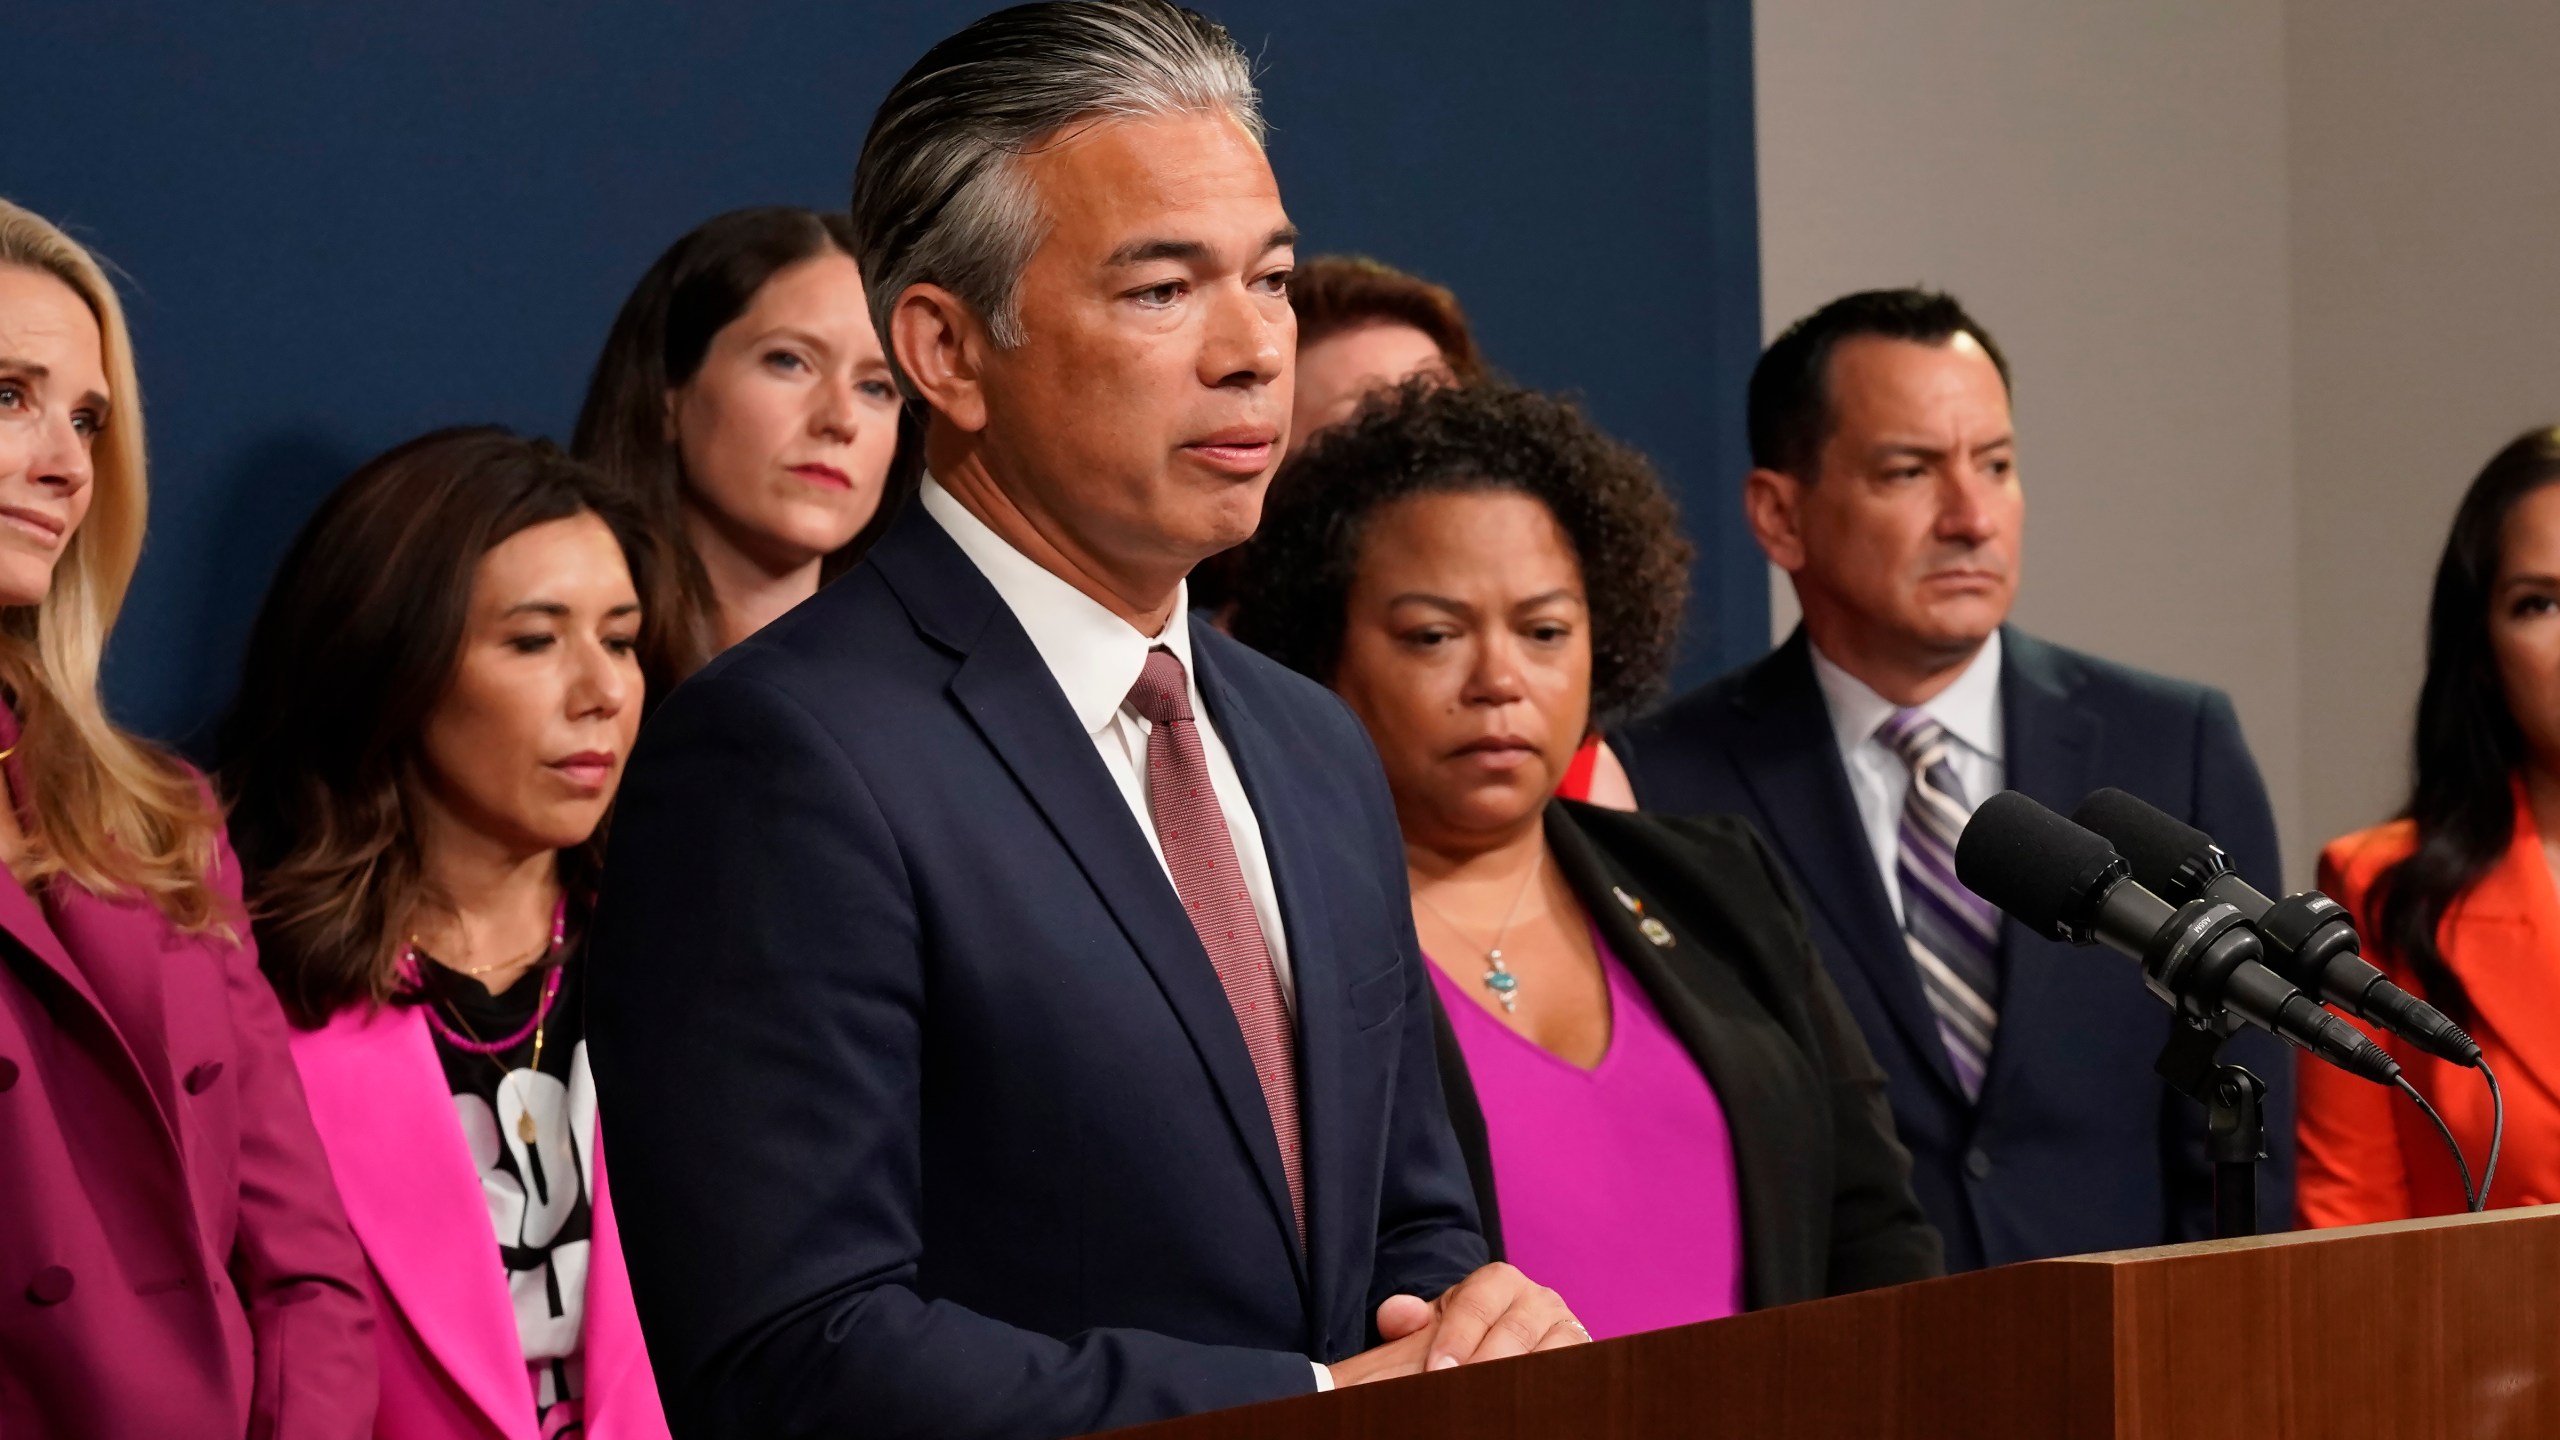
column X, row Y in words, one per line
column 2076, row 1145
column 928, row 1115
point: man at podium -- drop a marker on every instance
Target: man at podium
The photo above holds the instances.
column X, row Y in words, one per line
column 1005, row 993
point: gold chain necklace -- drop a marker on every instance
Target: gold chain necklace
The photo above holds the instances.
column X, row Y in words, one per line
column 1497, row 976
column 526, row 1130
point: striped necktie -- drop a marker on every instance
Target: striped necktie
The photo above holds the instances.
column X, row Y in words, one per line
column 1952, row 933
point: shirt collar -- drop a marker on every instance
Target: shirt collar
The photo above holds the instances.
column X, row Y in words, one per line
column 1095, row 655
column 1969, row 708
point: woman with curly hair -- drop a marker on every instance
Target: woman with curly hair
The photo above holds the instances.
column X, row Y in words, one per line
column 1667, row 1111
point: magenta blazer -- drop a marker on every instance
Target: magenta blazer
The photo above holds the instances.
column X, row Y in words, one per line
column 173, row 1259
column 452, row 1366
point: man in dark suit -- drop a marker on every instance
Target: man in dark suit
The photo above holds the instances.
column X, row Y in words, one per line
column 1886, row 485
column 1006, row 999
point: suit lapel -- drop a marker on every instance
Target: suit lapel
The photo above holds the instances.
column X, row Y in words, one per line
column 1791, row 763
column 2049, row 742
column 1759, row 1079
column 1007, row 692
column 2507, row 932
column 134, row 993
column 25, row 922
column 386, row 1118
column 619, row 1402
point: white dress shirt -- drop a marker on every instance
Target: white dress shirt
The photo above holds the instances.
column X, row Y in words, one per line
column 1095, row 657
column 1880, row 779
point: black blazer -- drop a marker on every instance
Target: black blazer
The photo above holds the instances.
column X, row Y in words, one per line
column 2076, row 1145
column 930, row 1117
column 1827, row 1206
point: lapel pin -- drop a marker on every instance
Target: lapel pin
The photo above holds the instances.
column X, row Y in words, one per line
column 1634, row 905
column 1655, row 931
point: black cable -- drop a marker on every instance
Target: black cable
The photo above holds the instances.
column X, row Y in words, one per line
column 2497, row 1130
column 2470, row 1199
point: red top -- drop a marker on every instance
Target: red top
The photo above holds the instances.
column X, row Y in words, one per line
column 2366, row 1153
column 1576, row 784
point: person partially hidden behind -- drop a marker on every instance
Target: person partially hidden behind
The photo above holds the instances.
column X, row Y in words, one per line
column 2456, row 898
column 1666, row 1109
column 1004, row 987
column 1366, row 328
column 1886, row 486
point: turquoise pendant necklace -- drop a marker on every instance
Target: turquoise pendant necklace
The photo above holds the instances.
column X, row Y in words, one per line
column 1497, row 976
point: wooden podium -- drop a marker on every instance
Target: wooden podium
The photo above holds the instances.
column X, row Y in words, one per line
column 2424, row 1330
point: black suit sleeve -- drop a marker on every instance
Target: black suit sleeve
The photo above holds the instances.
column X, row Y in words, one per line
column 1879, row 1235
column 2230, row 804
column 758, row 1038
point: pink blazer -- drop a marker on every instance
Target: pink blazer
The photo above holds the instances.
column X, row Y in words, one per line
column 452, row 1367
column 173, row 1259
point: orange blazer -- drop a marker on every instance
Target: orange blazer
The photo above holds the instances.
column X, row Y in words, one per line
column 2366, row 1153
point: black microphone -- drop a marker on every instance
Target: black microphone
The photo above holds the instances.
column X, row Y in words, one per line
column 2310, row 938
column 2069, row 884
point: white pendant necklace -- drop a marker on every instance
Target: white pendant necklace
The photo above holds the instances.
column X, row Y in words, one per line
column 1497, row 976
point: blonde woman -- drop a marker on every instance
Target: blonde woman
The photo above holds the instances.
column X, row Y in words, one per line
column 173, row 1257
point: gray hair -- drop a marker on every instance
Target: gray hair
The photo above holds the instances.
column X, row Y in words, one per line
column 939, row 196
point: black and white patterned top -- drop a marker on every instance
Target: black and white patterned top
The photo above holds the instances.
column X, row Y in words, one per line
column 532, row 1136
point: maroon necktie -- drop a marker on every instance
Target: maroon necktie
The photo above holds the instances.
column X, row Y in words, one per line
column 1197, row 849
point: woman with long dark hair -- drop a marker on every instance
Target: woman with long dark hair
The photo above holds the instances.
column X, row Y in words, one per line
column 440, row 693
column 2456, row 898
column 744, row 400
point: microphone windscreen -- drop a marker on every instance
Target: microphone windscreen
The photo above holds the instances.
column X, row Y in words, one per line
column 2155, row 843
column 2032, row 863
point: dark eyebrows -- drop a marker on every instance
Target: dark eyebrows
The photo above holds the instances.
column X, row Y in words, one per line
column 558, row 611
column 1141, row 252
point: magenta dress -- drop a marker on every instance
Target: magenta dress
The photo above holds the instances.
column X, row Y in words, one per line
column 1616, row 1183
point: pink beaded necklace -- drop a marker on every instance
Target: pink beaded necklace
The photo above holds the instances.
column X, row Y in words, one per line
column 410, row 959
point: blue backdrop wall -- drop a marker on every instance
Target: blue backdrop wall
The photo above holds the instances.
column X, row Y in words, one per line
column 341, row 225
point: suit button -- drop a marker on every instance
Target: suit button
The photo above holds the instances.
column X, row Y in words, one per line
column 8, row 1072
column 203, row 1076
column 51, row 1286
column 1977, row 1163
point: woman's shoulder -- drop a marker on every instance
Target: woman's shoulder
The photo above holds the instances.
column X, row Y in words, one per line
column 1712, row 843
column 2350, row 863
column 1712, row 869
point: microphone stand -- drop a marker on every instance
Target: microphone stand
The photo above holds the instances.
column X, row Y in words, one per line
column 2234, row 1102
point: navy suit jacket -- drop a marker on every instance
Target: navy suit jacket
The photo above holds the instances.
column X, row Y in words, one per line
column 2076, row 1145
column 928, row 1115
